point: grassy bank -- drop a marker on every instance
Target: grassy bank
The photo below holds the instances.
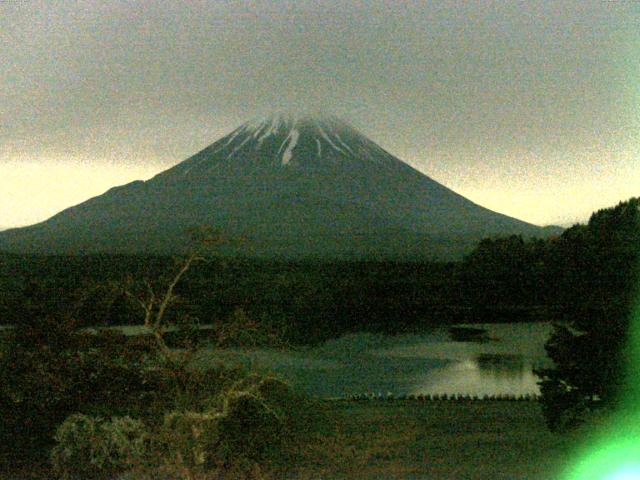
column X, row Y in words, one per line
column 436, row 441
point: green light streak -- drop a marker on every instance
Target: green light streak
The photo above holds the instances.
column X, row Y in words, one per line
column 626, row 474
column 613, row 455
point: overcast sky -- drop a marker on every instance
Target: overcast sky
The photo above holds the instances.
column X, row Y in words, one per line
column 529, row 108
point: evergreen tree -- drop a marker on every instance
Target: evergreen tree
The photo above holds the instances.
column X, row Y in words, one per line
column 595, row 268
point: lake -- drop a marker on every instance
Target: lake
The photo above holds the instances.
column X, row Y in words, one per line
column 494, row 359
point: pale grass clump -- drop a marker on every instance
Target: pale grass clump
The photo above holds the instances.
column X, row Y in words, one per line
column 90, row 447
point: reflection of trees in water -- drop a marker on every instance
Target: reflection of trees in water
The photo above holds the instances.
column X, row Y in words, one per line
column 481, row 374
column 501, row 365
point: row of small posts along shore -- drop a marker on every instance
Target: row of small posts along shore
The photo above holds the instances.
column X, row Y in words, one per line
column 444, row 397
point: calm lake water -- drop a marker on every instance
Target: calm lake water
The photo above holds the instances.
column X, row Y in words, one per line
column 500, row 361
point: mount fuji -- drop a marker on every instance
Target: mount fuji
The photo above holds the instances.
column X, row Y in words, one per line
column 292, row 188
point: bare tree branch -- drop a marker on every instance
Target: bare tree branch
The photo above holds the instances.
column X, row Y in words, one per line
column 155, row 306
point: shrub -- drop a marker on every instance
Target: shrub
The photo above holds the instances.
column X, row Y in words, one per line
column 73, row 453
column 298, row 414
column 249, row 429
column 190, row 439
column 89, row 447
column 51, row 369
column 41, row 383
column 247, row 432
column 126, row 442
column 275, row 392
column 185, row 388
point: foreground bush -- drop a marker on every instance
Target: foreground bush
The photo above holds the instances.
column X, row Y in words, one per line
column 249, row 429
column 89, row 447
column 189, row 439
column 254, row 426
column 267, row 425
column 44, row 373
column 51, row 369
column 247, row 432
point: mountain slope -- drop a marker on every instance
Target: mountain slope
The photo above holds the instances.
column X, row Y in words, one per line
column 292, row 187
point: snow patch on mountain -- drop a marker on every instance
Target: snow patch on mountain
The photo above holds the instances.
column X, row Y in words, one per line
column 343, row 144
column 270, row 126
column 234, row 134
column 324, row 135
column 236, row 149
column 288, row 141
column 291, row 141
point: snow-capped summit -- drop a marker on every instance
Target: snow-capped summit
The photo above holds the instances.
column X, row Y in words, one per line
column 293, row 186
column 288, row 140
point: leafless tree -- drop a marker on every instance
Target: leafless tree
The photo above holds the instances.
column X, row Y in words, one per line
column 155, row 301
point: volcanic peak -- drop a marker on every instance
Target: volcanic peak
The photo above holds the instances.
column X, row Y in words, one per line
column 296, row 186
column 290, row 127
column 288, row 140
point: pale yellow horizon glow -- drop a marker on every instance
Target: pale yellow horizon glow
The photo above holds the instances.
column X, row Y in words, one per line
column 562, row 199
column 31, row 192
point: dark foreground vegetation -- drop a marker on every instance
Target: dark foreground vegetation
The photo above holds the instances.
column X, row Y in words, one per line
column 97, row 404
column 87, row 406
column 481, row 440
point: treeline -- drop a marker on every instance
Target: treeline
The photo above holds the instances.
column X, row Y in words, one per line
column 597, row 274
column 312, row 301
column 503, row 279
